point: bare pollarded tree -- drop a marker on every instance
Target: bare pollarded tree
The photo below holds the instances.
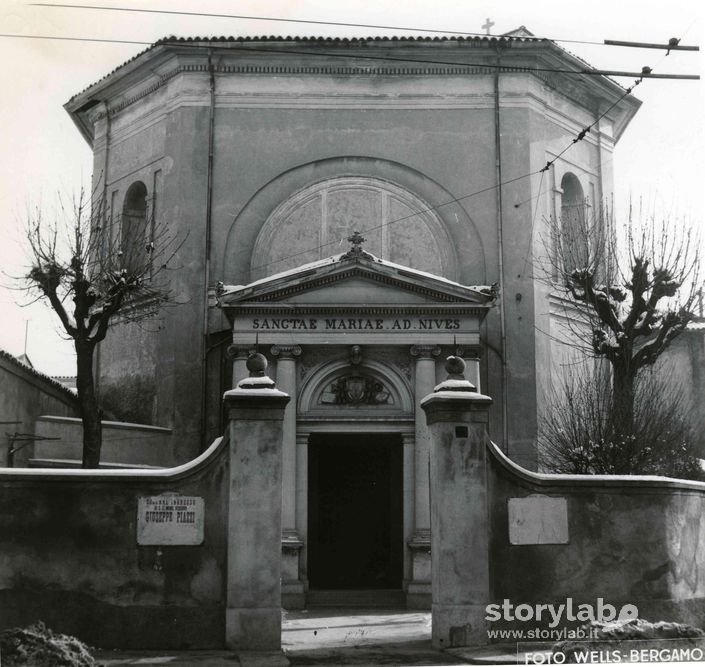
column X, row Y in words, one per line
column 634, row 289
column 93, row 266
column 629, row 291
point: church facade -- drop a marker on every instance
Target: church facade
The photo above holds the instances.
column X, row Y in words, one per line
column 357, row 210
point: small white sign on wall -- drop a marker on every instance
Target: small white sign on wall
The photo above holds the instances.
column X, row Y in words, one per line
column 170, row 519
column 538, row 520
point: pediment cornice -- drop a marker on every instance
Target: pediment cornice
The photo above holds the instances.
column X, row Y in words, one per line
column 338, row 270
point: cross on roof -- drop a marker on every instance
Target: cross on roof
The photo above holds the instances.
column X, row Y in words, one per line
column 488, row 24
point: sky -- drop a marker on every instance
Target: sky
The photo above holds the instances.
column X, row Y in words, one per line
column 660, row 158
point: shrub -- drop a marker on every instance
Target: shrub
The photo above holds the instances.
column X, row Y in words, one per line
column 38, row 646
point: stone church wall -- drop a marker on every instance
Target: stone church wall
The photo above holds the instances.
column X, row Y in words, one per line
column 279, row 132
column 162, row 356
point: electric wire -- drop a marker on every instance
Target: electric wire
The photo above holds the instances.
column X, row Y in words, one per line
column 307, row 21
column 533, row 223
column 579, row 137
column 584, row 132
column 8, row 35
column 429, row 209
column 358, row 56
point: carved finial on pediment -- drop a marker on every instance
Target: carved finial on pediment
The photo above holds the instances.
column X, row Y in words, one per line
column 356, row 239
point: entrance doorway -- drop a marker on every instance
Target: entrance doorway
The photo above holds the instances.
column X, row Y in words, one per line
column 355, row 522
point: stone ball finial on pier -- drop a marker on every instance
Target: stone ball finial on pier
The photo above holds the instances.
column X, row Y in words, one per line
column 455, row 367
column 257, row 364
column 456, row 380
column 456, row 387
column 258, row 379
column 258, row 385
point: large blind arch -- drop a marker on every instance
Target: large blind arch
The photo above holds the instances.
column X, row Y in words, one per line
column 314, row 222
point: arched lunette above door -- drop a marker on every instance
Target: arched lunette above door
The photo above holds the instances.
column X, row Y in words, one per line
column 316, row 221
column 373, row 387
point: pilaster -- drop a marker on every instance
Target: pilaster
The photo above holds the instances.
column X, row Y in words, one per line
column 471, row 356
column 419, row 588
column 302, row 505
column 238, row 355
column 292, row 588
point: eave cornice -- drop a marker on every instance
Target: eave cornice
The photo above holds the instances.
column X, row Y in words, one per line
column 155, row 67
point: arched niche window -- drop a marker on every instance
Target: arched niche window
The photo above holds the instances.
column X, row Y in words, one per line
column 575, row 226
column 134, row 235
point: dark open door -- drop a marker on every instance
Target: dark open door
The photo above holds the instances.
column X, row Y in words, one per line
column 355, row 538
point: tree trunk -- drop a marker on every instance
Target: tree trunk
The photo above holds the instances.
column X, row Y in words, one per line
column 623, row 400
column 90, row 411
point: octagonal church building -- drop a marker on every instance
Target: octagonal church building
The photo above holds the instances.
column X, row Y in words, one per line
column 357, row 209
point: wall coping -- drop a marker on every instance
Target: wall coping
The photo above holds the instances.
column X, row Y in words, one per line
column 122, row 475
column 128, row 426
column 595, row 483
column 76, row 464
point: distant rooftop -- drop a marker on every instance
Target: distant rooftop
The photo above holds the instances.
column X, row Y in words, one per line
column 21, row 362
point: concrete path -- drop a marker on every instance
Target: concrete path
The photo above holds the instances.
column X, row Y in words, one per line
column 357, row 637
column 331, row 637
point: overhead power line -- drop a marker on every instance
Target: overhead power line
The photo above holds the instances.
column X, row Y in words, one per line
column 580, row 136
column 673, row 45
column 279, row 19
column 76, row 39
column 645, row 73
column 428, row 209
column 236, row 46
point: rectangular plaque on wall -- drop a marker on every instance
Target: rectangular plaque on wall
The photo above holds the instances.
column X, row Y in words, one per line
column 170, row 519
column 538, row 519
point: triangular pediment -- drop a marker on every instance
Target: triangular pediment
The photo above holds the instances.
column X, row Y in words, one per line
column 355, row 279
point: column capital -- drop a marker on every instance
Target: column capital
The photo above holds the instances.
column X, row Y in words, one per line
column 286, row 351
column 238, row 352
column 425, row 351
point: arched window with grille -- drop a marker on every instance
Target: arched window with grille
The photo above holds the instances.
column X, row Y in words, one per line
column 575, row 226
column 135, row 232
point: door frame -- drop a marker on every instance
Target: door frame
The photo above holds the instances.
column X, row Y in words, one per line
column 405, row 427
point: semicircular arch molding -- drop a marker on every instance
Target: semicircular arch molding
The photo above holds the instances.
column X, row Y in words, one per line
column 385, row 393
column 315, row 223
column 240, row 238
